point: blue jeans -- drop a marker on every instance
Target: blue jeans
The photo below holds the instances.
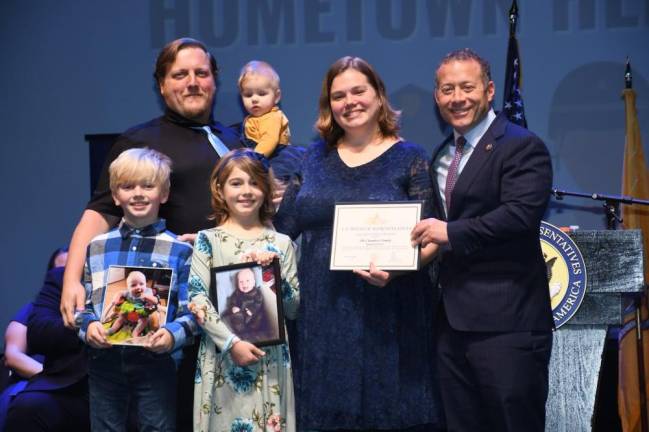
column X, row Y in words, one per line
column 119, row 374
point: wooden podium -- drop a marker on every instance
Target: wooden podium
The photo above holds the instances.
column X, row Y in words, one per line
column 614, row 266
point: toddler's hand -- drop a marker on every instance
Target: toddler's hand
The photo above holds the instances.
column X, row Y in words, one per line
column 198, row 312
column 244, row 353
column 96, row 336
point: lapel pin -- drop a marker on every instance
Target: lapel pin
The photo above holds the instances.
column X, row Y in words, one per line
column 489, row 147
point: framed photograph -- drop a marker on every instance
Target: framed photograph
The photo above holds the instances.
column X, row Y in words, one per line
column 248, row 298
column 135, row 303
column 375, row 231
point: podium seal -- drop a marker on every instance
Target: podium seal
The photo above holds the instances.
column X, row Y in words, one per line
column 566, row 272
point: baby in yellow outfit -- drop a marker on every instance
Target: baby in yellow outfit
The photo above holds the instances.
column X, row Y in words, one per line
column 266, row 124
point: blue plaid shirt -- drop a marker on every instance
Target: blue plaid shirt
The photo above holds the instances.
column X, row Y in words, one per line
column 150, row 246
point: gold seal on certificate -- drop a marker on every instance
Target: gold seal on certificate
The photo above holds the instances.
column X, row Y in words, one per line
column 377, row 232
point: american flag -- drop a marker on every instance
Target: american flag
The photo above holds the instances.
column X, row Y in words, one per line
column 513, row 99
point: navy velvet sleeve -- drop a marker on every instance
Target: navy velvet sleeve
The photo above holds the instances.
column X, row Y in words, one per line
column 46, row 333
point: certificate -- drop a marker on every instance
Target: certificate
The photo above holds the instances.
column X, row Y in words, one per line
column 377, row 232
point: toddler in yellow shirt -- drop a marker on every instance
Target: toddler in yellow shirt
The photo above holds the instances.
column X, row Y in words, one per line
column 266, row 124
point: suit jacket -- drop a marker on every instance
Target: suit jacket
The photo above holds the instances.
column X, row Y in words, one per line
column 65, row 357
column 492, row 274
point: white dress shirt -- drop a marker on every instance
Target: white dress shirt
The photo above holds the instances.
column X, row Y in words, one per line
column 445, row 156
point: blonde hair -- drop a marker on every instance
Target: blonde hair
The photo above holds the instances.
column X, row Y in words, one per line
column 140, row 164
column 258, row 67
column 253, row 164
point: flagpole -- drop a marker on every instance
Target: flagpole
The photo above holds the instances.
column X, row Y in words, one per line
column 644, row 421
column 513, row 18
column 512, row 97
column 640, row 354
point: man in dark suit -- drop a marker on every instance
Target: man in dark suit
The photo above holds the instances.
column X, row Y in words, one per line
column 57, row 398
column 495, row 320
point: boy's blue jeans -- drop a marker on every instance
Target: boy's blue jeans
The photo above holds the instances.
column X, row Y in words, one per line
column 120, row 374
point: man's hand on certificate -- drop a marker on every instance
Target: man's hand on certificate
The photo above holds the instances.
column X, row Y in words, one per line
column 429, row 231
column 374, row 276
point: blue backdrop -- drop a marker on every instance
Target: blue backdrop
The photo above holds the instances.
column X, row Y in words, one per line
column 72, row 68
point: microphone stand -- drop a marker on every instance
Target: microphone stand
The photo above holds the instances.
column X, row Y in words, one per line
column 611, row 204
column 612, row 207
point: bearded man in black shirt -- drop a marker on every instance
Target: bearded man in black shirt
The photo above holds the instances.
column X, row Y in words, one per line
column 185, row 74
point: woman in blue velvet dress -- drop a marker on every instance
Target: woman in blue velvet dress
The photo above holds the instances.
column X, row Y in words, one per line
column 364, row 340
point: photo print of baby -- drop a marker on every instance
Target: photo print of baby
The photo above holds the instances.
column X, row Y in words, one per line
column 245, row 295
column 135, row 303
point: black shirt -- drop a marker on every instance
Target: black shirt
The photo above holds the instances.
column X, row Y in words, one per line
column 193, row 158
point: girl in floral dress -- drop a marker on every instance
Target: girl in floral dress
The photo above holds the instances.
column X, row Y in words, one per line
column 238, row 386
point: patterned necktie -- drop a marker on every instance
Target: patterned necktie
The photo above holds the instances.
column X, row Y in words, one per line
column 451, row 178
column 216, row 142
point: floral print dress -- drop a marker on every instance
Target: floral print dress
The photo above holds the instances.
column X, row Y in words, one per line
column 227, row 397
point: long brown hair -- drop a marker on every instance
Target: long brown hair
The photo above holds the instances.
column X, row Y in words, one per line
column 253, row 164
column 331, row 131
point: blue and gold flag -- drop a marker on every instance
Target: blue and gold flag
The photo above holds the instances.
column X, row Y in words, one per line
column 634, row 341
